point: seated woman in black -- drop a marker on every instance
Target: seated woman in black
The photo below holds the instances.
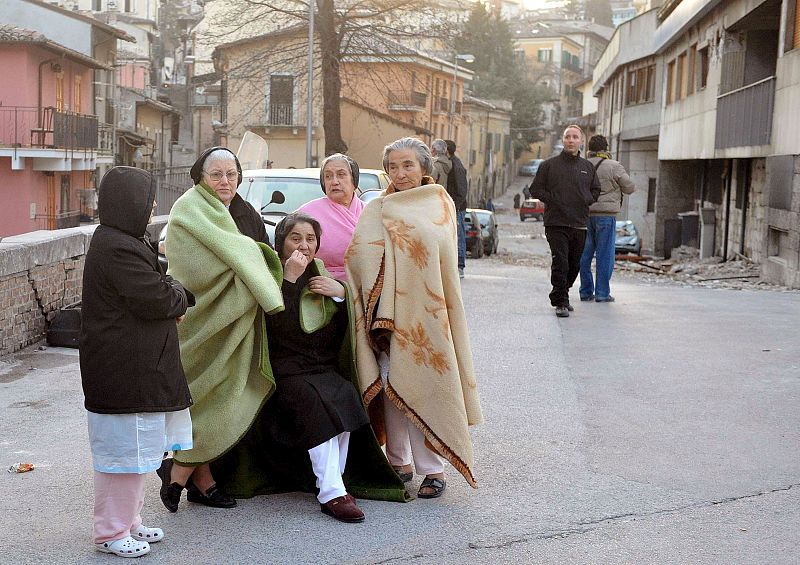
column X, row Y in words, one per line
column 314, row 408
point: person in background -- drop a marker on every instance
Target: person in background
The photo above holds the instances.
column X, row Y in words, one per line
column 441, row 163
column 457, row 188
column 516, row 201
column 136, row 393
column 601, row 233
column 568, row 185
column 337, row 212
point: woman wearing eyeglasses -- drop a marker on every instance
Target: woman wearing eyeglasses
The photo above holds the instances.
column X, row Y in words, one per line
column 217, row 241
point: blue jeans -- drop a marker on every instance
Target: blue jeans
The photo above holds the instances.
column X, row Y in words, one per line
column 601, row 238
column 462, row 239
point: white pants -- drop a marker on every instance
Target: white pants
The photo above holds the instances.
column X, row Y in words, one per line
column 328, row 460
column 404, row 441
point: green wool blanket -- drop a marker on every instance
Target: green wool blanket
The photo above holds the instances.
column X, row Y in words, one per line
column 223, row 350
column 254, row 466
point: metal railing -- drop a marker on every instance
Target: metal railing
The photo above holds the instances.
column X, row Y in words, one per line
column 25, row 126
column 418, row 99
column 744, row 115
column 171, row 182
column 280, row 114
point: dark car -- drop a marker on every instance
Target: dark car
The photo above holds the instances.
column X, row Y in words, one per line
column 473, row 233
column 628, row 240
column 529, row 168
column 531, row 208
column 488, row 229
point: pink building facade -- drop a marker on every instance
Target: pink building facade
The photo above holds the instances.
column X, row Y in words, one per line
column 50, row 141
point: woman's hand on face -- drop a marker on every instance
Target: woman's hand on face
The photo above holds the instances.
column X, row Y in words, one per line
column 295, row 266
column 326, row 287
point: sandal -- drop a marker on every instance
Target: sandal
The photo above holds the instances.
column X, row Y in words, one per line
column 143, row 533
column 405, row 476
column 432, row 483
column 124, row 547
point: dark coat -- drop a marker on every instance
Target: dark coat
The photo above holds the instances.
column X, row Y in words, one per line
column 568, row 185
column 248, row 220
column 129, row 356
column 457, row 184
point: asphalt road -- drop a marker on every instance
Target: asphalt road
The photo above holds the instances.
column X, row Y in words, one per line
column 662, row 428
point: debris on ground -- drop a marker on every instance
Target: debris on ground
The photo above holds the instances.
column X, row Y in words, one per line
column 685, row 266
column 21, row 468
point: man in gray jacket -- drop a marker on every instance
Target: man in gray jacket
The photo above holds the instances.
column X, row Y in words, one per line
column 602, row 227
column 441, row 163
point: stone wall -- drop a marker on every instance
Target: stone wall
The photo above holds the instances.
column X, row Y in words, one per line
column 41, row 272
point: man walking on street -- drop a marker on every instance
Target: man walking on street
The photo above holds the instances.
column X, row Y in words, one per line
column 441, row 163
column 601, row 234
column 457, row 189
column 568, row 185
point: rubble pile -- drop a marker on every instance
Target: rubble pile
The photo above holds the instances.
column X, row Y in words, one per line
column 685, row 267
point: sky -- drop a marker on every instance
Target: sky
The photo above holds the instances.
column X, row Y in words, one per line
column 538, row 4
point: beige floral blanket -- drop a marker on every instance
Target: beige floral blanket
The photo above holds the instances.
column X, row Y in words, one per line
column 403, row 266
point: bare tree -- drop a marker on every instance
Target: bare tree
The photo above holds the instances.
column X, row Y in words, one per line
column 342, row 27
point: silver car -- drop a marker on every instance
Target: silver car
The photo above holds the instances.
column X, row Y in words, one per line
column 529, row 168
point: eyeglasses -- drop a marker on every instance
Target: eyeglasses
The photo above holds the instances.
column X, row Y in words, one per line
column 216, row 176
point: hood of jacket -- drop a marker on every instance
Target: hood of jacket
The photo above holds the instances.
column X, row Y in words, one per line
column 125, row 199
column 446, row 164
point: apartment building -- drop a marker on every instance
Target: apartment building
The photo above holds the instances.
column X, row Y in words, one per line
column 728, row 173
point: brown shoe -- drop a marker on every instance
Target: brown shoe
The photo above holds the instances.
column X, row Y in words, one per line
column 344, row 509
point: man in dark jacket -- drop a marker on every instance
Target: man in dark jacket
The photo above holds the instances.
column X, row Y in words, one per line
column 136, row 392
column 568, row 185
column 457, row 189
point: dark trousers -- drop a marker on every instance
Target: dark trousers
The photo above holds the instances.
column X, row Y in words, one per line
column 566, row 247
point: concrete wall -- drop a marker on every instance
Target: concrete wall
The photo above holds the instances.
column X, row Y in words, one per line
column 786, row 132
column 55, row 24
column 783, row 266
column 675, row 194
column 41, row 272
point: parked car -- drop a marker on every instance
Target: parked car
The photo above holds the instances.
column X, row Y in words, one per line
column 531, row 208
column 489, row 234
column 473, row 233
column 275, row 192
column 529, row 168
column 628, row 240
column 371, row 182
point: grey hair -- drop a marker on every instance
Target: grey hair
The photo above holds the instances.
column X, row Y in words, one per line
column 218, row 155
column 335, row 157
column 440, row 146
column 423, row 153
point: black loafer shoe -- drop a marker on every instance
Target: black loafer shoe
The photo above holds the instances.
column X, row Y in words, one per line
column 170, row 492
column 213, row 497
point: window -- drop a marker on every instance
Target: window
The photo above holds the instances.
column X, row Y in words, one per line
column 692, row 72
column 576, row 62
column 544, row 55
column 97, row 5
column 651, row 82
column 671, row 82
column 651, row 195
column 703, row 68
column 77, row 95
column 680, row 77
column 65, row 194
column 281, row 100
column 792, row 26
column 631, row 98
column 60, row 92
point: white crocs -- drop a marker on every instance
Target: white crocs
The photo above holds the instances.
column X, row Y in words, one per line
column 143, row 533
column 124, row 547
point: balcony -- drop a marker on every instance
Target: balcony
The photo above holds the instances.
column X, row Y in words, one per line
column 408, row 101
column 47, row 128
column 744, row 115
column 280, row 115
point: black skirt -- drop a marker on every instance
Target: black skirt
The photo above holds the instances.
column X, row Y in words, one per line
column 307, row 410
